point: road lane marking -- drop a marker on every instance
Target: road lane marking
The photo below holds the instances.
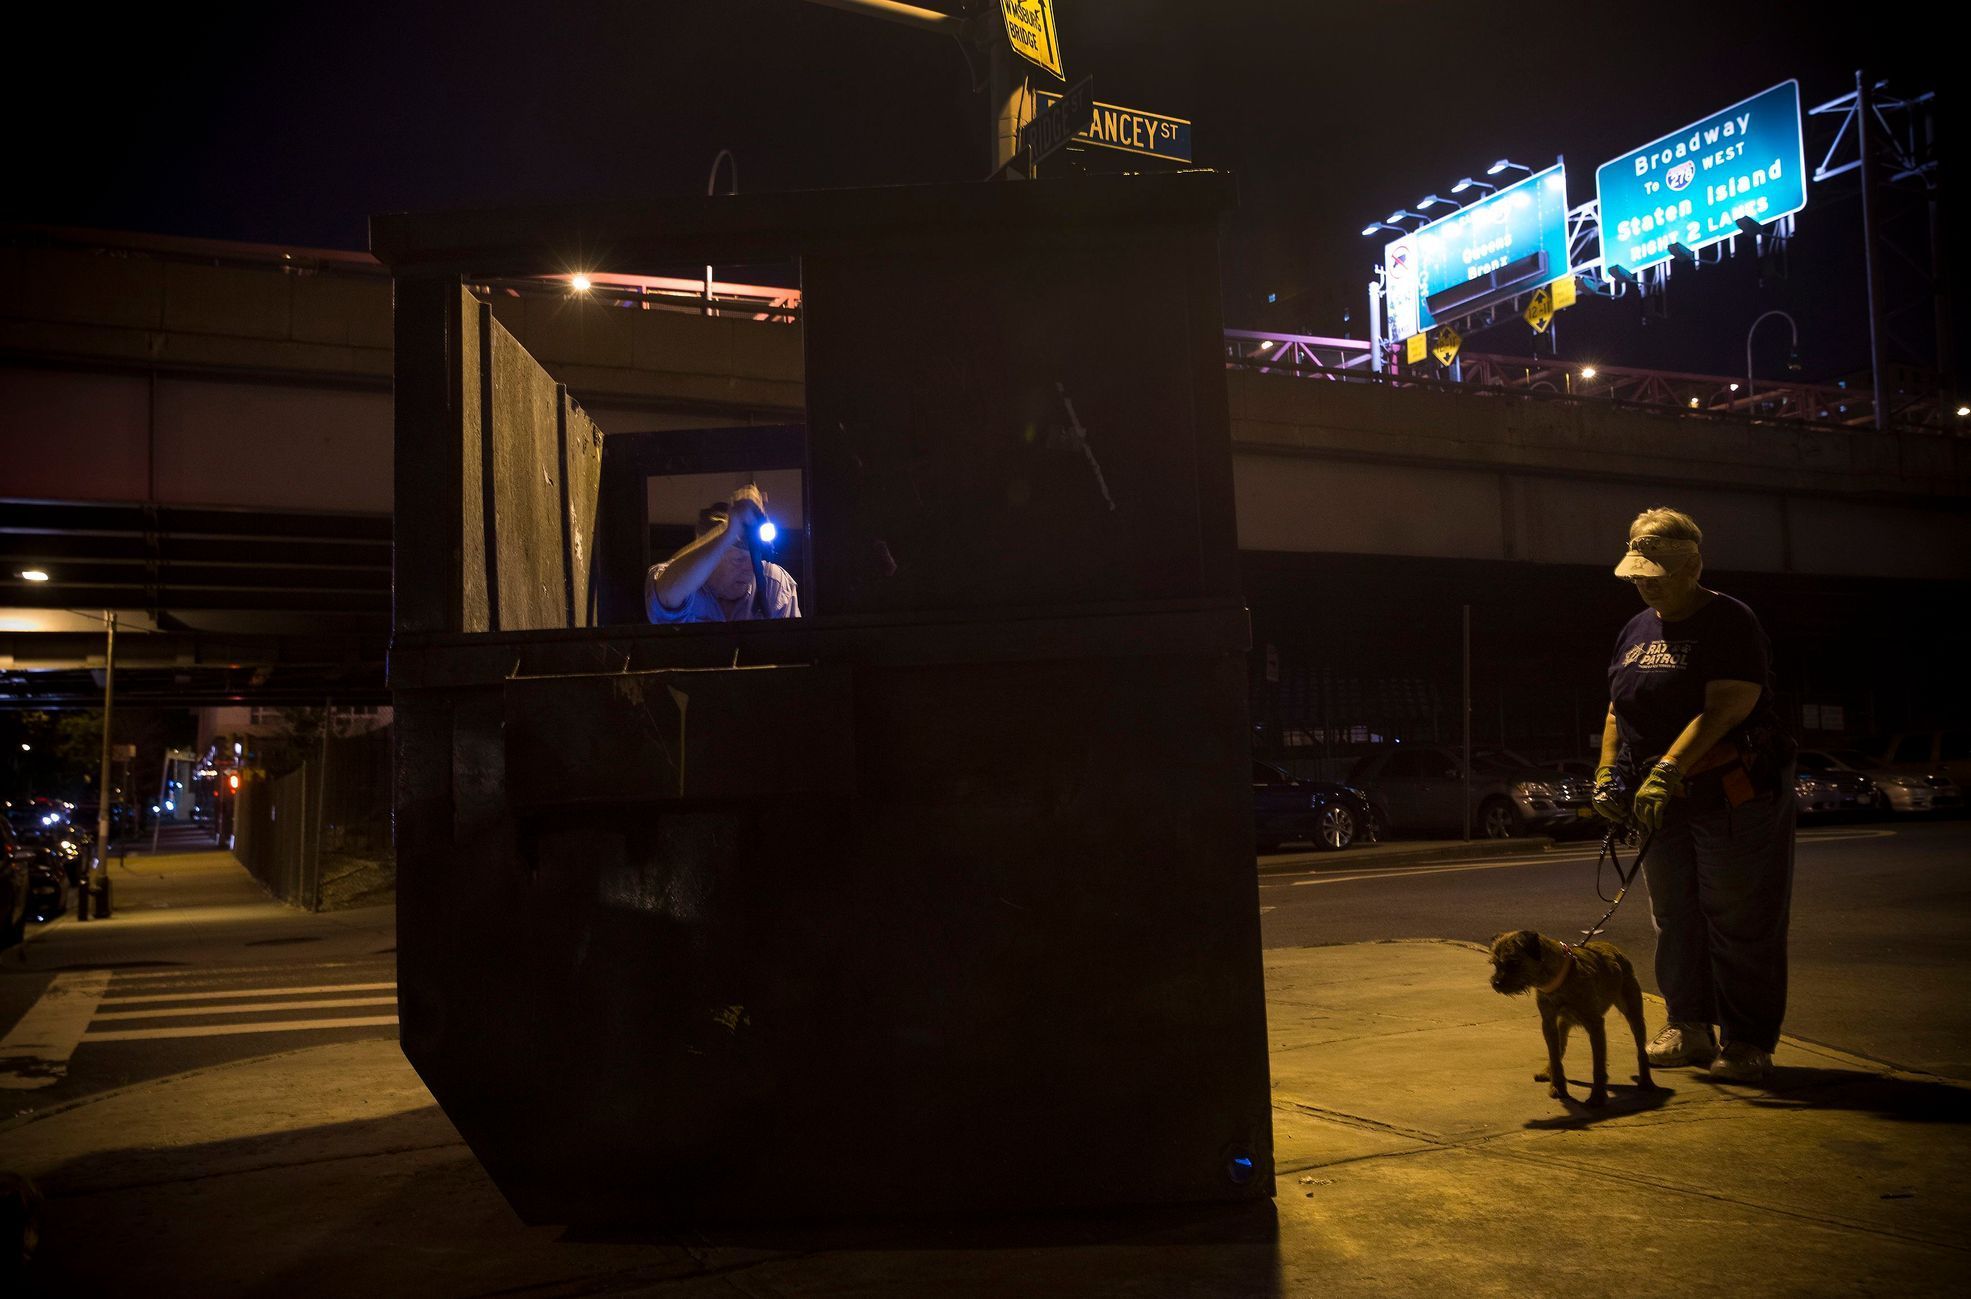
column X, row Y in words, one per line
column 1420, row 868
column 251, row 1008
column 35, row 1051
column 152, row 997
column 228, row 1030
column 1425, row 870
column 1457, row 865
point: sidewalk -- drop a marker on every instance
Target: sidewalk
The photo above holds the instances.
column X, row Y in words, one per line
column 1414, row 1153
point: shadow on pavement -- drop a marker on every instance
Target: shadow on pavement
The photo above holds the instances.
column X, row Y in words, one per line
column 398, row 1205
column 1911, row 1100
column 1624, row 1099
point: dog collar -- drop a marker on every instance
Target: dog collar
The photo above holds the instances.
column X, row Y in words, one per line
column 1566, row 968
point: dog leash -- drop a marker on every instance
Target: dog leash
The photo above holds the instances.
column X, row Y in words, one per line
column 1609, row 852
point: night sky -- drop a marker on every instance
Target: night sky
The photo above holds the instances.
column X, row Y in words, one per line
column 292, row 123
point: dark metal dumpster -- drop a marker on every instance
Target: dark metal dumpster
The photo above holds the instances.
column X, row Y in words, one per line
column 938, row 899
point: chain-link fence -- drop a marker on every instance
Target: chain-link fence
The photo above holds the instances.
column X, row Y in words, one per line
column 318, row 836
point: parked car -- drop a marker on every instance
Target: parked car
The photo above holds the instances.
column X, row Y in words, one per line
column 1814, row 796
column 1851, row 790
column 1420, row 789
column 57, row 849
column 1895, row 791
column 1330, row 816
column 16, row 859
column 1942, row 758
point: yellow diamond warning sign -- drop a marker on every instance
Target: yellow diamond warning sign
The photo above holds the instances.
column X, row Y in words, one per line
column 1444, row 344
column 1030, row 28
column 1539, row 311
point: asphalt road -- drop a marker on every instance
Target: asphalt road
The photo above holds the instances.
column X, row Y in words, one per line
column 1880, row 939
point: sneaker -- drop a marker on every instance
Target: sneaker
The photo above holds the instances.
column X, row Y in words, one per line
column 1742, row 1064
column 1682, row 1042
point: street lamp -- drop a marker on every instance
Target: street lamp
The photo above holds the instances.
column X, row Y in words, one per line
column 711, row 190
column 1589, row 372
column 1403, row 213
column 1507, row 164
column 1374, row 226
column 1428, row 199
column 1469, row 183
column 1792, row 355
column 34, row 575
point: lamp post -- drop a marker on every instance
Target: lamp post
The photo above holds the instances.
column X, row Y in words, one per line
column 711, row 189
column 1750, row 389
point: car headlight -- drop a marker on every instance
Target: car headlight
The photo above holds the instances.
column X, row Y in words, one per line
column 1533, row 789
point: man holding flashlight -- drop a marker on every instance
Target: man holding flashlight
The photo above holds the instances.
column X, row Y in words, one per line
column 721, row 576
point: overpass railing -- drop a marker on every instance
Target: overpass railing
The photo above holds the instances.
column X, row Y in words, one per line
column 1701, row 396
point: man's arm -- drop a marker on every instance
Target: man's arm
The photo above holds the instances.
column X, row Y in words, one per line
column 689, row 568
column 1726, row 704
column 1611, row 739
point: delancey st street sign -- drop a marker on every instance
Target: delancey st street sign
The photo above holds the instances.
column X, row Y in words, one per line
column 1133, row 130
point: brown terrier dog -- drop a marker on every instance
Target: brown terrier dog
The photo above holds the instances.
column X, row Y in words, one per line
column 1574, row 985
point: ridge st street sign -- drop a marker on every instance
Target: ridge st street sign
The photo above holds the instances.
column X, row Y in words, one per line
column 1691, row 187
column 1056, row 125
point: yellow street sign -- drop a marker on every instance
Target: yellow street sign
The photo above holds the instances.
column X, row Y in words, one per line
column 1030, row 28
column 1444, row 345
column 1415, row 348
column 1563, row 292
column 1539, row 311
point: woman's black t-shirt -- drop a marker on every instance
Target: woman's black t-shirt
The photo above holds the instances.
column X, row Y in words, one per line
column 1656, row 679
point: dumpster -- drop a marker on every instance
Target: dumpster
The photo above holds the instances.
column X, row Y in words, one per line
column 938, row 899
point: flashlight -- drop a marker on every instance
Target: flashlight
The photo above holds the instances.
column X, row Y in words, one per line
column 768, row 532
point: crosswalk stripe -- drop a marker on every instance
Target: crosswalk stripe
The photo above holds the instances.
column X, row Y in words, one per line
column 117, row 1000
column 228, row 1030
column 205, row 974
column 36, row 1050
column 251, row 1008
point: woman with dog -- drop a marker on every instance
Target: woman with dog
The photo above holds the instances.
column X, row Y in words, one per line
column 1692, row 730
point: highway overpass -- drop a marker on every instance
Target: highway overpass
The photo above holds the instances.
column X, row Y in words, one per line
column 198, row 434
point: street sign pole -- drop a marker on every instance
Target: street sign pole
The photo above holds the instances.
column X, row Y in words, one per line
column 1006, row 83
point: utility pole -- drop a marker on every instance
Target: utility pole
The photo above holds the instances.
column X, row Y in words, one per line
column 98, row 881
column 1467, row 712
column 1865, row 126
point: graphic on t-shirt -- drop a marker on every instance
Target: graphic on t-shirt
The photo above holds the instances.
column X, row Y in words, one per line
column 1659, row 656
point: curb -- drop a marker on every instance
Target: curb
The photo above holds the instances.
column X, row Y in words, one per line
column 1404, row 854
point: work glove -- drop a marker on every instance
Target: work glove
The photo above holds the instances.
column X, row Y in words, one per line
column 1607, row 795
column 1653, row 796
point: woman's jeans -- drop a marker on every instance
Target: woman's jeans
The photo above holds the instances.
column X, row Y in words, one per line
column 1720, row 890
